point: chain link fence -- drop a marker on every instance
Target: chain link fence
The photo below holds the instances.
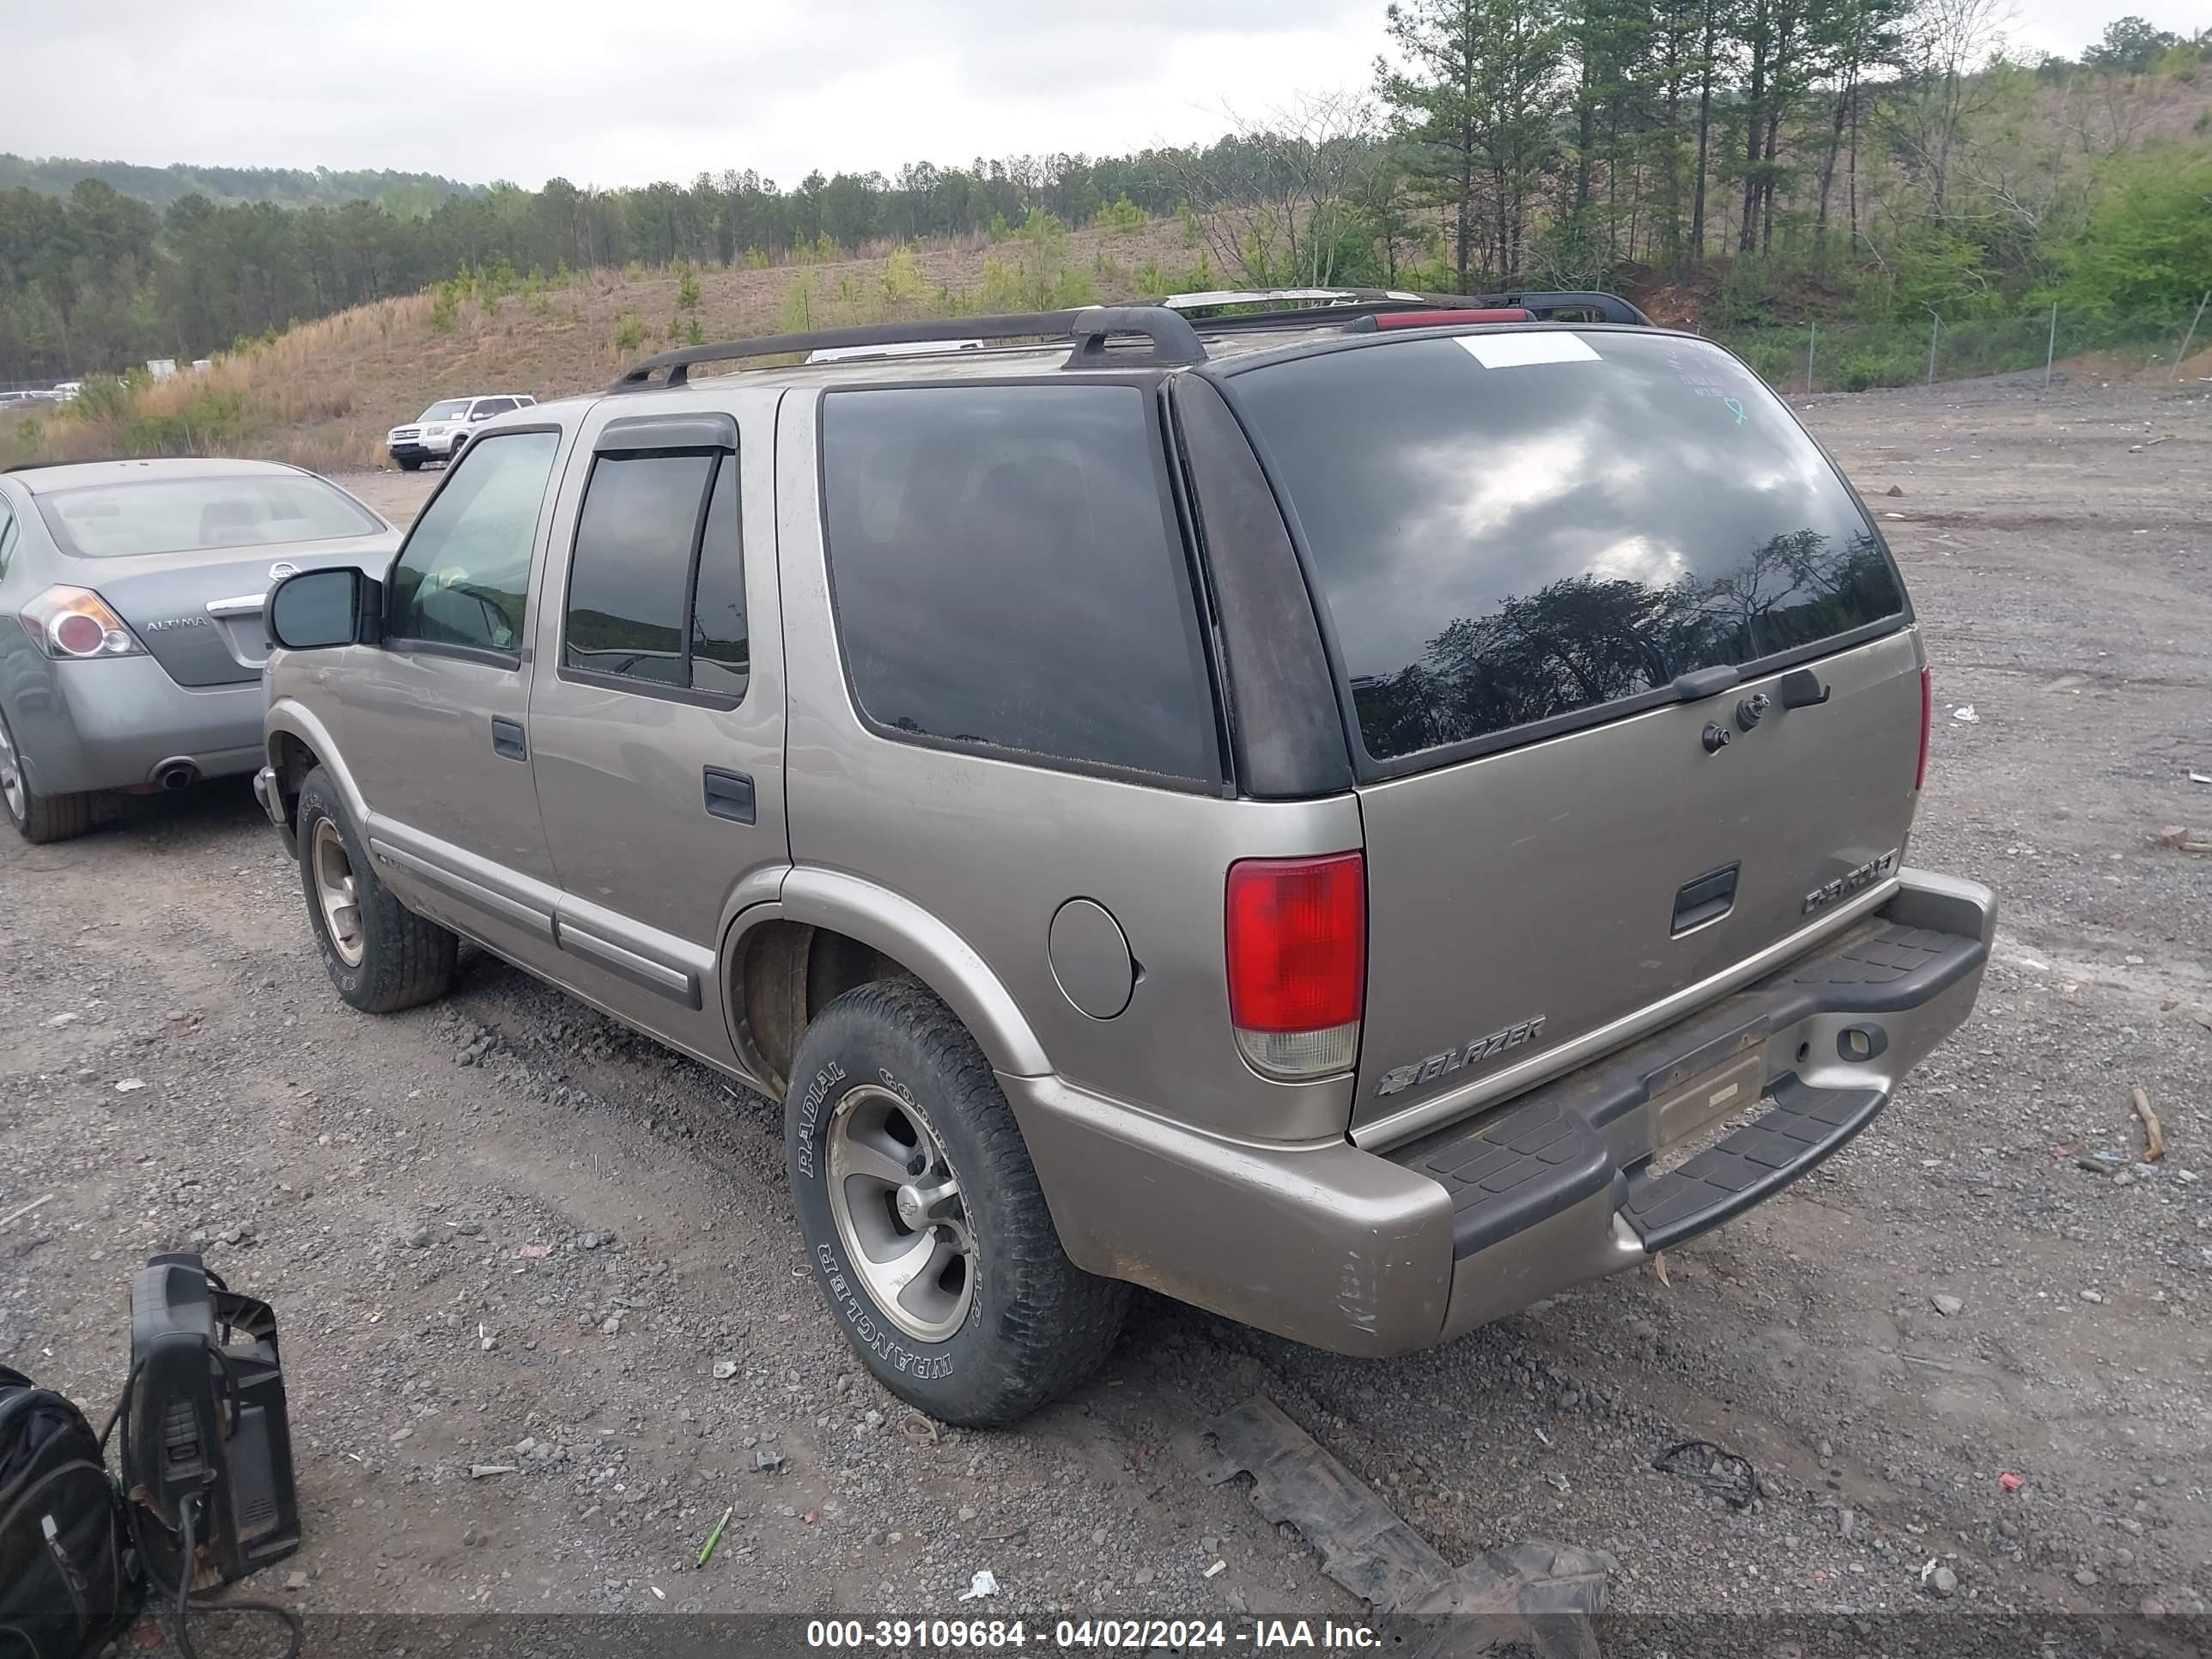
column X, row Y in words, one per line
column 1818, row 356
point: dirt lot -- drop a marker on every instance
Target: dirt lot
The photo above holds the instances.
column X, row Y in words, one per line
column 380, row 1181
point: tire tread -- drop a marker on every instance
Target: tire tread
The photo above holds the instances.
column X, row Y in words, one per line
column 1061, row 1322
column 48, row 818
column 408, row 960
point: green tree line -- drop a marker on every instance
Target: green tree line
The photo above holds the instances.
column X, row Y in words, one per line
column 1885, row 146
column 57, row 175
column 96, row 280
column 1889, row 145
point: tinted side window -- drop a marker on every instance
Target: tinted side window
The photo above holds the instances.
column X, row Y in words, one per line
column 721, row 660
column 8, row 532
column 464, row 577
column 1006, row 573
column 490, row 407
column 654, row 528
column 632, row 564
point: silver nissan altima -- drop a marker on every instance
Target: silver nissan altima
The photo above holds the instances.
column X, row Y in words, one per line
column 131, row 634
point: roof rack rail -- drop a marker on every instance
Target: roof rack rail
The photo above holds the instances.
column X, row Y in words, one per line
column 1173, row 340
column 1333, row 307
column 1240, row 296
column 1610, row 306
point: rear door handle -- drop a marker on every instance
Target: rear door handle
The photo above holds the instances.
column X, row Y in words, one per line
column 1706, row 899
column 1802, row 688
column 506, row 739
column 729, row 795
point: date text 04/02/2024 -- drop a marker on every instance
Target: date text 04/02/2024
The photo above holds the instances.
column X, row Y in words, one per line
column 997, row 1635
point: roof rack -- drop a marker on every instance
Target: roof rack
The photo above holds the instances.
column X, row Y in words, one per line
column 1174, row 337
column 1611, row 307
column 1173, row 340
column 1239, row 296
column 1334, row 308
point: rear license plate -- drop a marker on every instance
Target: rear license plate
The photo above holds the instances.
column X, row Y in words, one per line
column 1705, row 1110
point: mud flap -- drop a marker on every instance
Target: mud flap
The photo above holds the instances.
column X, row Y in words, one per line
column 1533, row 1600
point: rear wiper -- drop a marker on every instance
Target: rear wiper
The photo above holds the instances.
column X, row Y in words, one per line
column 1702, row 683
column 1799, row 689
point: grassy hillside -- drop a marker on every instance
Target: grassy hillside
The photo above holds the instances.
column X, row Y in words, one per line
column 57, row 175
column 323, row 394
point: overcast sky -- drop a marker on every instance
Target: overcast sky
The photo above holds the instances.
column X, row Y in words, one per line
column 624, row 94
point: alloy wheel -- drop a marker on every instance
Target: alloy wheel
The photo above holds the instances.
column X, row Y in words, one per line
column 899, row 1214
column 335, row 892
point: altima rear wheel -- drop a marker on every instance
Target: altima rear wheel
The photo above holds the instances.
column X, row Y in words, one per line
column 38, row 818
column 11, row 775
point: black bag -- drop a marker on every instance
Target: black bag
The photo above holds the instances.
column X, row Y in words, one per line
column 67, row 1584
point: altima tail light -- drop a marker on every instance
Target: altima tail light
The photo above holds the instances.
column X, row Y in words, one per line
column 77, row 622
column 1297, row 961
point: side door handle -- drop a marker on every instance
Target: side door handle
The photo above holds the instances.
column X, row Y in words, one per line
column 506, row 739
column 729, row 795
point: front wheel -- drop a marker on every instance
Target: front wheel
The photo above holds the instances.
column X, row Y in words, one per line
column 923, row 1219
column 381, row 956
column 38, row 818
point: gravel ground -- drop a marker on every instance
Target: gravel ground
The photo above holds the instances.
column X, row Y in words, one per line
column 504, row 1232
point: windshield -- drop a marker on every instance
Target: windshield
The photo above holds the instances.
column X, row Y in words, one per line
column 1506, row 528
column 452, row 410
column 181, row 515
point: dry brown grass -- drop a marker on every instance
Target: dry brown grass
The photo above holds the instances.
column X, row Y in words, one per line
column 324, row 394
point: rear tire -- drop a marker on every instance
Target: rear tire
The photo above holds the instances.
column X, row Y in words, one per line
column 380, row 956
column 1007, row 1323
column 38, row 818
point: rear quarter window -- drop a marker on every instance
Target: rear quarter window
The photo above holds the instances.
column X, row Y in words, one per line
column 1008, row 574
column 1573, row 522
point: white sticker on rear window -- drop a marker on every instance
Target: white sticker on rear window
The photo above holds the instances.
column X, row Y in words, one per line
column 1516, row 351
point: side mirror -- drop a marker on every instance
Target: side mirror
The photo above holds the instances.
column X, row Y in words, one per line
column 316, row 609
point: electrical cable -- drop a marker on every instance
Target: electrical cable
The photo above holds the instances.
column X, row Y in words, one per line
column 184, row 1604
column 122, row 1405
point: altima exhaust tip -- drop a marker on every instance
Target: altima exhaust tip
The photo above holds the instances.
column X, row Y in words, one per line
column 176, row 775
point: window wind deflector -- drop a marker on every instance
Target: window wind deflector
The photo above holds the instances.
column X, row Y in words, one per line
column 638, row 433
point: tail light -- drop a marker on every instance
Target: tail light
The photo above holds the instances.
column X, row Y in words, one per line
column 1927, row 717
column 77, row 622
column 1297, row 961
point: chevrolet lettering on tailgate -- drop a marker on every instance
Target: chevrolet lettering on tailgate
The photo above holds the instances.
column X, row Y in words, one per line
column 1851, row 882
column 1482, row 1048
